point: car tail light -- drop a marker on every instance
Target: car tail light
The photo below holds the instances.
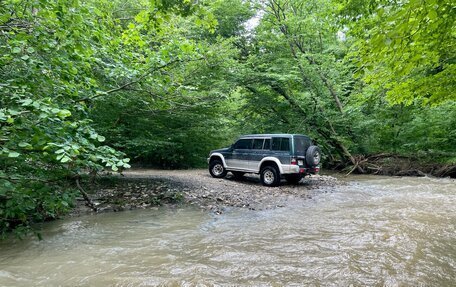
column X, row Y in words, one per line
column 294, row 161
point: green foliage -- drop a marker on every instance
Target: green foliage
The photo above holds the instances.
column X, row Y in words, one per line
column 404, row 56
column 231, row 16
column 408, row 130
column 172, row 116
column 406, row 48
column 48, row 62
column 57, row 59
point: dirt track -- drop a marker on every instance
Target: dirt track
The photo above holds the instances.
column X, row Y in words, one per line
column 143, row 188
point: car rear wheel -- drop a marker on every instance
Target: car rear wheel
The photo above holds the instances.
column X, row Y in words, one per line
column 270, row 176
column 216, row 169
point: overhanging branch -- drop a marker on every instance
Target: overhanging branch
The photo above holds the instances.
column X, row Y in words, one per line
column 138, row 79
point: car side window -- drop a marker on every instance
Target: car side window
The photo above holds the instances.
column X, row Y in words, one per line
column 243, row 144
column 258, row 143
column 276, row 144
column 267, row 144
column 281, row 144
column 285, row 144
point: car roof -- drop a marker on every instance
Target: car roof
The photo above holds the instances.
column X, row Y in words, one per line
column 272, row 135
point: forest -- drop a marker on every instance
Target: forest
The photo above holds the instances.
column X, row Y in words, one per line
column 88, row 86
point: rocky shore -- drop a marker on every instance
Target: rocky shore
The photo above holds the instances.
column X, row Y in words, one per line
column 146, row 188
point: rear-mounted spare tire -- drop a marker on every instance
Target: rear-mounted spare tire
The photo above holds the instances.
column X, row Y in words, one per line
column 313, row 155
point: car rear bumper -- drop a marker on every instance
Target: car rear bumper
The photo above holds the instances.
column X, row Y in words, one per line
column 295, row 169
column 313, row 170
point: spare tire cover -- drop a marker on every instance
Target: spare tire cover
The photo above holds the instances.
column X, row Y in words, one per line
column 313, row 155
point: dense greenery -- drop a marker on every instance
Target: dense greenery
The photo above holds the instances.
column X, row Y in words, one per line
column 90, row 85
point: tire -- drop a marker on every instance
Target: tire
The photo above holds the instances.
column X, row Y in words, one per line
column 270, row 176
column 216, row 169
column 237, row 174
column 293, row 178
column 313, row 156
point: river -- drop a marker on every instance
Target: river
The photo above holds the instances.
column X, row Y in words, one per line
column 376, row 231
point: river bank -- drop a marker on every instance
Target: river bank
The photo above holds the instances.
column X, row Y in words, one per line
column 148, row 188
column 399, row 165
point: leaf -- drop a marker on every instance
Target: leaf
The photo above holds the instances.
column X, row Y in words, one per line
column 16, row 50
column 13, row 154
column 13, row 112
column 101, row 138
column 24, row 144
column 25, row 57
column 65, row 159
column 26, row 102
column 432, row 14
column 63, row 114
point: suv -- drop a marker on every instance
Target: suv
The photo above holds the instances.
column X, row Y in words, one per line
column 270, row 155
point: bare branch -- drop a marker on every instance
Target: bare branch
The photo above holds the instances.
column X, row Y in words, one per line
column 89, row 202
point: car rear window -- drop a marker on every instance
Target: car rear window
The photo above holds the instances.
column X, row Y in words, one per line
column 301, row 144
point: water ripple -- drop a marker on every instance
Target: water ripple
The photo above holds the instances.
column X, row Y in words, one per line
column 375, row 231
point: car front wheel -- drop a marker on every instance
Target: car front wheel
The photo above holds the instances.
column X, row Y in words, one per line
column 216, row 169
column 270, row 176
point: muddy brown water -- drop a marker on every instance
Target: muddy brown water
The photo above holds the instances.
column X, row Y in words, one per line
column 375, row 231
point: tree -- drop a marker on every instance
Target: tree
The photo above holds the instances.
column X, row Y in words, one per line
column 172, row 116
column 406, row 48
column 297, row 62
column 57, row 59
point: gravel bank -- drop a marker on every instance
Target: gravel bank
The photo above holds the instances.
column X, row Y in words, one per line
column 145, row 188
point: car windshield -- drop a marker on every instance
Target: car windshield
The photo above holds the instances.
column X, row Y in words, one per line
column 301, row 144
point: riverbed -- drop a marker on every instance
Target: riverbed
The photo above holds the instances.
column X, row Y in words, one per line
column 376, row 231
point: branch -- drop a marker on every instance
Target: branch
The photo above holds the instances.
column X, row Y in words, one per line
column 15, row 179
column 137, row 80
column 89, row 202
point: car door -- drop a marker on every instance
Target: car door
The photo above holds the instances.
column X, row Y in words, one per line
column 239, row 156
column 260, row 149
